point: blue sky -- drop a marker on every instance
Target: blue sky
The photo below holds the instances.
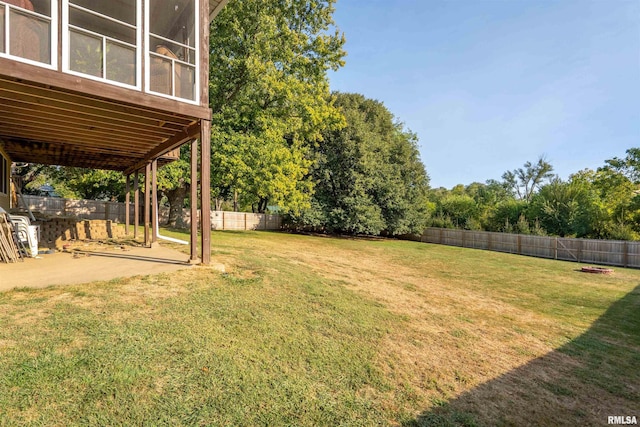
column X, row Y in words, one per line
column 488, row 85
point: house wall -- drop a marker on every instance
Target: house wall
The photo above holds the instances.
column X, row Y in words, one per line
column 5, row 180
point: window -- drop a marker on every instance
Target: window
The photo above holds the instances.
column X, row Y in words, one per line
column 101, row 40
column 4, row 175
column 172, row 48
column 28, row 31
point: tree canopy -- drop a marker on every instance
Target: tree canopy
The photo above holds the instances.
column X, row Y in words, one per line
column 367, row 176
column 604, row 203
column 269, row 94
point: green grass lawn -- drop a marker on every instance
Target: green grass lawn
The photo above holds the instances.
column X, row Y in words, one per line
column 306, row 330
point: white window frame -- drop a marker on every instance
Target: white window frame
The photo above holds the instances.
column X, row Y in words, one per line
column 147, row 57
column 66, row 27
column 53, row 21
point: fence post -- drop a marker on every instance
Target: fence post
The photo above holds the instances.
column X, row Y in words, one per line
column 245, row 221
column 440, row 236
column 463, row 235
column 223, row 221
column 555, row 248
column 579, row 255
column 519, row 244
column 489, row 241
column 625, row 255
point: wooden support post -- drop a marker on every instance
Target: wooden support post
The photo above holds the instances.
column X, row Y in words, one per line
column 194, row 201
column 154, row 202
column 519, row 243
column 205, row 189
column 136, row 204
column 127, row 203
column 147, row 204
column 625, row 255
column 555, row 248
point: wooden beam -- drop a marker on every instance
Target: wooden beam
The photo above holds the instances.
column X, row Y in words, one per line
column 172, row 143
column 216, row 10
column 34, row 146
column 66, row 132
column 154, row 201
column 205, row 137
column 147, row 203
column 205, row 190
column 28, row 133
column 127, row 203
column 204, row 54
column 58, row 154
column 136, row 204
column 37, row 99
column 99, row 90
column 70, row 155
column 194, row 200
column 55, row 112
column 16, row 113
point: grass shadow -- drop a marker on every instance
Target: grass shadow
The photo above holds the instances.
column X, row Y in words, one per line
column 585, row 381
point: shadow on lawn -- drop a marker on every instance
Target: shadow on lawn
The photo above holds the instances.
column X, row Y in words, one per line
column 583, row 382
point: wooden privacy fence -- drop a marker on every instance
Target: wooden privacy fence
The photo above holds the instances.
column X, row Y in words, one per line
column 606, row 252
column 222, row 220
column 82, row 209
column 115, row 211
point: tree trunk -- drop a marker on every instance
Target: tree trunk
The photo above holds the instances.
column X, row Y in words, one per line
column 262, row 205
column 176, row 203
column 235, row 200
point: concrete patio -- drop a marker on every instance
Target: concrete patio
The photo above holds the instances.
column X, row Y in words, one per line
column 94, row 263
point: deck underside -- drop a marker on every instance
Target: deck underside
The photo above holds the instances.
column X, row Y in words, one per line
column 48, row 125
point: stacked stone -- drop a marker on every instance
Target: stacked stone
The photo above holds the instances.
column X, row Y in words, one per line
column 60, row 230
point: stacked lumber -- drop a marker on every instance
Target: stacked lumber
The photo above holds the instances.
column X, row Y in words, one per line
column 8, row 242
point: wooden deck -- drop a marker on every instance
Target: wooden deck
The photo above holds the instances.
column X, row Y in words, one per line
column 49, row 125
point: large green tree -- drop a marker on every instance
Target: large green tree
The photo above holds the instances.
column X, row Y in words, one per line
column 567, row 208
column 269, row 94
column 368, row 175
column 618, row 183
column 71, row 182
column 174, row 184
column 524, row 181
